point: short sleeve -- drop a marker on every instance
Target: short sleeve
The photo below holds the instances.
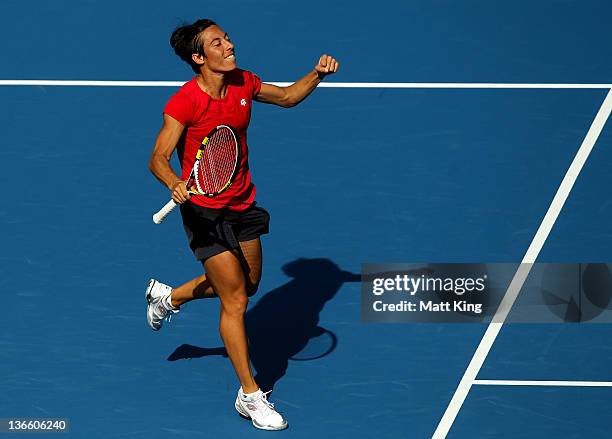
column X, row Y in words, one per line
column 256, row 82
column 180, row 107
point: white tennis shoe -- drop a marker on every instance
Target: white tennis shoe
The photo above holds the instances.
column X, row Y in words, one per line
column 158, row 309
column 260, row 411
column 156, row 289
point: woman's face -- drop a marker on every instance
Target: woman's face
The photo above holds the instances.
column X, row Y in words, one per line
column 219, row 50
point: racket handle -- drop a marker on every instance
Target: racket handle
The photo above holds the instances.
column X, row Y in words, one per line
column 164, row 212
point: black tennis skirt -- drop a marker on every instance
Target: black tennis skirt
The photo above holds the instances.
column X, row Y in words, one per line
column 213, row 231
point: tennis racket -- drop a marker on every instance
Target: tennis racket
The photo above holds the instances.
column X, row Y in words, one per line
column 214, row 168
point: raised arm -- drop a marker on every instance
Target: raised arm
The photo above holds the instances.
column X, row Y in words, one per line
column 159, row 163
column 299, row 90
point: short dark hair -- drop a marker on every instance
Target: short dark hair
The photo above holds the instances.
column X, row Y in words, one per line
column 186, row 41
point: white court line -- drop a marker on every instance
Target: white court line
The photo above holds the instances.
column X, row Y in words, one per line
column 543, row 383
column 521, row 274
column 445, row 85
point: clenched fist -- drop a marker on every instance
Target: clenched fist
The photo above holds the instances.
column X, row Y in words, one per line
column 326, row 66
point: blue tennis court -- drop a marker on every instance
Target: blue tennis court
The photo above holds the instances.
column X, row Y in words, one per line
column 359, row 174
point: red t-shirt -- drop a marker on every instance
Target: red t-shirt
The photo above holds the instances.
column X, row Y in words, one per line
column 200, row 113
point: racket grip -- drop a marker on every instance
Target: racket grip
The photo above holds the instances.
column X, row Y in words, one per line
column 164, row 212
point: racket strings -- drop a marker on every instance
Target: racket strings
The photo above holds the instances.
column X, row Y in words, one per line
column 217, row 163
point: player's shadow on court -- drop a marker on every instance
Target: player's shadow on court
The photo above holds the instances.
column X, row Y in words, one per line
column 284, row 323
column 188, row 351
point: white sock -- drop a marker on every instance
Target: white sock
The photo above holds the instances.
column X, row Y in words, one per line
column 250, row 395
column 168, row 302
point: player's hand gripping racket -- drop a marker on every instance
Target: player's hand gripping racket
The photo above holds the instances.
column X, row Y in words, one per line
column 214, row 168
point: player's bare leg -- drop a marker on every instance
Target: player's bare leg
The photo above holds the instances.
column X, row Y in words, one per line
column 226, row 275
column 197, row 288
column 251, row 257
column 200, row 288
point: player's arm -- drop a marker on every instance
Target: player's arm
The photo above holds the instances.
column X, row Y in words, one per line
column 298, row 91
column 159, row 163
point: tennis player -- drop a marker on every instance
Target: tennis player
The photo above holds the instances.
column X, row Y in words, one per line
column 223, row 231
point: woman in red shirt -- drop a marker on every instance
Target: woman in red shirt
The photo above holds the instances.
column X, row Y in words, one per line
column 223, row 231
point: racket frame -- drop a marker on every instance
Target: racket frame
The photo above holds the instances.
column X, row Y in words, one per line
column 159, row 216
column 194, row 169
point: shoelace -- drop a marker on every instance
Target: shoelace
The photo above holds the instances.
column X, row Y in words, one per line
column 162, row 312
column 170, row 313
column 267, row 406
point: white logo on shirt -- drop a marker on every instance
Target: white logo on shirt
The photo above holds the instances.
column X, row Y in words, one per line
column 243, row 102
